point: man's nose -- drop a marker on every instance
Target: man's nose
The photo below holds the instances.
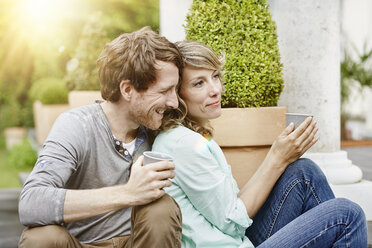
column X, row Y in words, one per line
column 172, row 101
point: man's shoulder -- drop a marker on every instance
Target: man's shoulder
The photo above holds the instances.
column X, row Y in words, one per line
column 82, row 113
column 86, row 110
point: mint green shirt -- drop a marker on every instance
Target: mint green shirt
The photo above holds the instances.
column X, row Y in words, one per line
column 212, row 214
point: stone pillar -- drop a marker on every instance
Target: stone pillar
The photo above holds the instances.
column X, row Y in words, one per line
column 309, row 44
column 172, row 17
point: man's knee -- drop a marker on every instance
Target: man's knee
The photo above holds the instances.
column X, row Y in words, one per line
column 158, row 224
column 163, row 210
column 46, row 236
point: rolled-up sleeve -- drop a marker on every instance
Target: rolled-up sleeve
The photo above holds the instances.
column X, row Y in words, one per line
column 204, row 175
column 43, row 194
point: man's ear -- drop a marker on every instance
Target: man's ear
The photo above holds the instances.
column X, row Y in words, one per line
column 126, row 89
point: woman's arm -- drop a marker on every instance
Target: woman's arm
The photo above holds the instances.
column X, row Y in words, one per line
column 204, row 176
column 287, row 148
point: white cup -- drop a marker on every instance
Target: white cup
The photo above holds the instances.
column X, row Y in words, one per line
column 296, row 118
column 153, row 157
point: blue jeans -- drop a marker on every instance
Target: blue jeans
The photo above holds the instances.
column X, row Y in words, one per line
column 302, row 211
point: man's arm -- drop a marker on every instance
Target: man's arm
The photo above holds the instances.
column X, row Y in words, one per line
column 145, row 185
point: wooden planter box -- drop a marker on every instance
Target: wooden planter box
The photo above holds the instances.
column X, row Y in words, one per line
column 81, row 98
column 246, row 135
column 14, row 136
column 44, row 117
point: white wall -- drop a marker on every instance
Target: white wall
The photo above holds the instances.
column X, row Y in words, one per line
column 172, row 17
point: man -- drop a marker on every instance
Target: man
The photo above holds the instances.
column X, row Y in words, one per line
column 85, row 182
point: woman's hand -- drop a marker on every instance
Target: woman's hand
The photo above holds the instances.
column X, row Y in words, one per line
column 291, row 144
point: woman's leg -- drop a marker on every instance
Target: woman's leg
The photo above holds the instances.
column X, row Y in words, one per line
column 335, row 223
column 301, row 187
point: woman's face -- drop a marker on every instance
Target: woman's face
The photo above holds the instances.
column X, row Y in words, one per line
column 201, row 90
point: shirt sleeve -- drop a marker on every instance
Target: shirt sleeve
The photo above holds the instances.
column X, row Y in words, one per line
column 43, row 194
column 209, row 185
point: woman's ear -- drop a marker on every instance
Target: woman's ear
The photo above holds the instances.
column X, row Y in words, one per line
column 126, row 89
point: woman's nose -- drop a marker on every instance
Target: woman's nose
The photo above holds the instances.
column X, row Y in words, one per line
column 214, row 89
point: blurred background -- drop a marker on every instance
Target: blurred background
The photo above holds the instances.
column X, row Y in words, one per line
column 48, row 48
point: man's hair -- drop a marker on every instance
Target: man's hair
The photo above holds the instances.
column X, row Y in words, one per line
column 197, row 55
column 132, row 56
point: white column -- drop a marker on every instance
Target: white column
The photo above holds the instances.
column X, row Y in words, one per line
column 172, row 17
column 309, row 43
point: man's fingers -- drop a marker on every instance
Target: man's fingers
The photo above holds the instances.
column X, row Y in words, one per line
column 138, row 162
column 164, row 183
column 162, row 175
column 162, row 165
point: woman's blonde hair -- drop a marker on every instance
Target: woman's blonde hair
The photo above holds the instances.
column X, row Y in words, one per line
column 197, row 55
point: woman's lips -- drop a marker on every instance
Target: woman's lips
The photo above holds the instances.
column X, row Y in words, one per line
column 214, row 104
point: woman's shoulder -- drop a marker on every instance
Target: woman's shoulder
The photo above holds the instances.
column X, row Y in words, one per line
column 179, row 135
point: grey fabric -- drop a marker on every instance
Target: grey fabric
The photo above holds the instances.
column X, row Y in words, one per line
column 79, row 153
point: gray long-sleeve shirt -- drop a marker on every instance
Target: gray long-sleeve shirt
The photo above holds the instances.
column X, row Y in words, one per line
column 79, row 153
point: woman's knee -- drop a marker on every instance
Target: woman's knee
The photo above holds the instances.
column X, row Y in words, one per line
column 45, row 236
column 351, row 210
column 307, row 168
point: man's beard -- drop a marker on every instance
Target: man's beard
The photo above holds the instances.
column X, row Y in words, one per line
column 145, row 119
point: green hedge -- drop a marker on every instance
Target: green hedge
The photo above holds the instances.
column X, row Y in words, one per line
column 49, row 91
column 244, row 32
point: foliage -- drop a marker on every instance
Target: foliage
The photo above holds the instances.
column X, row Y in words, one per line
column 9, row 174
column 23, row 156
column 127, row 15
column 82, row 70
column 244, row 32
column 49, row 90
column 13, row 113
column 355, row 71
column 2, row 141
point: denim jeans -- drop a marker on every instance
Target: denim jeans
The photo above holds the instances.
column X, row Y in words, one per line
column 302, row 211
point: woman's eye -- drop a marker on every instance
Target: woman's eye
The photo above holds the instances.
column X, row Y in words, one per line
column 217, row 75
column 198, row 83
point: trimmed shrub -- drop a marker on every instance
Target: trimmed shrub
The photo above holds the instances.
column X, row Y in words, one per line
column 49, row 91
column 244, row 32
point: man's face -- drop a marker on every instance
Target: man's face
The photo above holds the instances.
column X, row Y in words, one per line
column 148, row 106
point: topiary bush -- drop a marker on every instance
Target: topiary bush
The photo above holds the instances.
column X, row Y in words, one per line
column 244, row 32
column 49, row 90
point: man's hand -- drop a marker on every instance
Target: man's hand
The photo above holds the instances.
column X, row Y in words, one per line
column 292, row 144
column 146, row 183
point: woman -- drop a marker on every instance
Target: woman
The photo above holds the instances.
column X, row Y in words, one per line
column 288, row 199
